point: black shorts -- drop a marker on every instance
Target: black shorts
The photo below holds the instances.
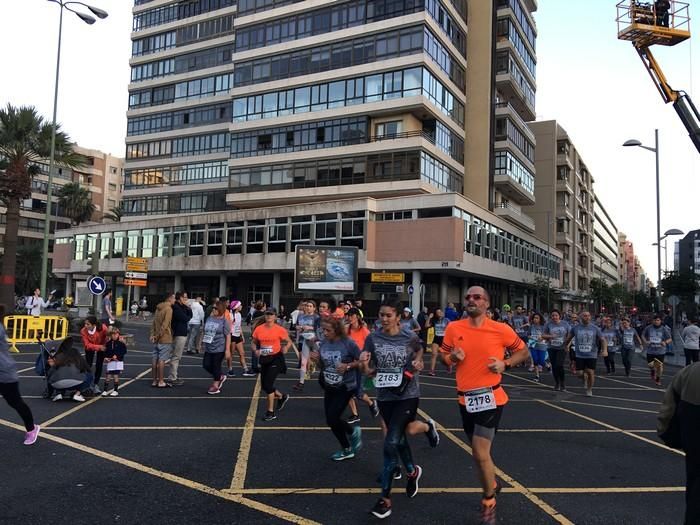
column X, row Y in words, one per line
column 584, row 363
column 235, row 339
column 437, row 340
column 483, row 424
column 651, row 358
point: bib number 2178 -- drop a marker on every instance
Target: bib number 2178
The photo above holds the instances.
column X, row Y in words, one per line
column 479, row 400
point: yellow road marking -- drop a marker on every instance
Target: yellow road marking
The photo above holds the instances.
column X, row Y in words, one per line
column 241, row 468
column 95, row 399
column 194, row 485
column 612, row 427
column 608, row 406
column 518, row 487
column 604, row 490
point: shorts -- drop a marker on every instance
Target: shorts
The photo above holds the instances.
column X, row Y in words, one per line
column 437, row 340
column 585, row 363
column 235, row 339
column 161, row 352
column 651, row 358
column 483, row 424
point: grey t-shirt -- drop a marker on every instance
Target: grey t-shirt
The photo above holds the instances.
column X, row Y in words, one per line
column 627, row 338
column 587, row 338
column 517, row 321
column 536, row 331
column 332, row 354
column 560, row 331
column 8, row 367
column 612, row 336
column 440, row 325
column 394, row 354
column 216, row 330
column 106, row 305
column 408, row 325
column 655, row 336
column 691, row 337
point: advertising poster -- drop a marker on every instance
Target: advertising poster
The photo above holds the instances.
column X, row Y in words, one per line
column 326, row 269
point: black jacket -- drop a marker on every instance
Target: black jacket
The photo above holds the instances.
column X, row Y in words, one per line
column 117, row 348
column 181, row 317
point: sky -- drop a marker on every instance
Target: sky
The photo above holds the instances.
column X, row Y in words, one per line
column 594, row 85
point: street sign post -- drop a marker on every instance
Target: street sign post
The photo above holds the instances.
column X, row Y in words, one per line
column 96, row 285
column 136, row 274
column 410, row 290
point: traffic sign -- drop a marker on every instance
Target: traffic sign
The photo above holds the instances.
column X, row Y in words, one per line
column 96, row 285
column 383, row 277
column 135, row 282
column 674, row 300
column 136, row 275
column 411, row 290
column 136, row 264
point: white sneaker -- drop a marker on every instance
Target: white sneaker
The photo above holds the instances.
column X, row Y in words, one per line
column 114, row 393
column 589, row 392
column 78, row 397
column 105, row 393
column 57, row 397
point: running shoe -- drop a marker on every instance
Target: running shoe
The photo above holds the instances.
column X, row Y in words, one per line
column 353, row 419
column 78, row 397
column 213, row 390
column 249, row 373
column 176, row 382
column 222, row 380
column 342, row 455
column 658, row 381
column 231, row 373
column 488, row 511
column 356, row 440
column 381, row 510
column 531, row 369
column 105, row 393
column 589, row 392
column 57, row 397
column 269, row 416
column 374, row 408
column 282, row 402
column 432, row 434
column 412, row 481
column 114, row 393
column 31, row 436
column 397, row 472
column 431, row 373
column 299, row 387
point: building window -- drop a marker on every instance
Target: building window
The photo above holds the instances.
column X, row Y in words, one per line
column 234, row 237
column 215, row 239
column 277, row 235
column 180, row 235
column 196, row 246
column 255, row 236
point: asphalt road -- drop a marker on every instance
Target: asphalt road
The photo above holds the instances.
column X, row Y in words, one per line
column 180, row 456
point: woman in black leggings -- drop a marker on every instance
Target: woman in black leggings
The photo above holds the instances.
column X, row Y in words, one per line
column 9, row 386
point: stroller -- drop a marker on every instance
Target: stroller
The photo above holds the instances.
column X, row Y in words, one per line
column 56, row 382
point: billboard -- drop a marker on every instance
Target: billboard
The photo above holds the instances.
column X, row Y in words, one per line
column 326, row 269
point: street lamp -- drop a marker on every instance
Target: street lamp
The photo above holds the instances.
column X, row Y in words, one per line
column 655, row 149
column 88, row 19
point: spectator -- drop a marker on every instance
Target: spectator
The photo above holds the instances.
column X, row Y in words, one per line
column 451, row 313
column 94, row 336
column 162, row 337
column 107, row 307
column 68, row 366
column 194, row 326
column 691, row 341
column 180, row 321
column 35, row 304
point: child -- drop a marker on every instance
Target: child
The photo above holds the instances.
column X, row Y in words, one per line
column 115, row 349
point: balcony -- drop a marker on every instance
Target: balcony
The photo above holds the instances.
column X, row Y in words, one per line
column 512, row 179
column 514, row 215
column 564, row 185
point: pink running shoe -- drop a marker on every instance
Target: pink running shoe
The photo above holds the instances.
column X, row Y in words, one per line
column 31, row 436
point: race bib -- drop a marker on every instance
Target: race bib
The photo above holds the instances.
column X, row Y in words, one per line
column 629, row 340
column 308, row 335
column 265, row 350
column 479, row 400
column 388, row 379
column 655, row 340
column 331, row 377
column 440, row 333
column 558, row 341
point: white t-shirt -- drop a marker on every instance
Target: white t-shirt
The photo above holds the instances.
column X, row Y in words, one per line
column 236, row 331
column 34, row 305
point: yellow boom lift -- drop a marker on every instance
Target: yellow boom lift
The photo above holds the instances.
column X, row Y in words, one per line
column 666, row 24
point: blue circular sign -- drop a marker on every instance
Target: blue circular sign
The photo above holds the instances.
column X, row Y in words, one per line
column 96, row 285
column 410, row 290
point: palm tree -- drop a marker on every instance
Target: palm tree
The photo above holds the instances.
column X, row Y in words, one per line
column 114, row 214
column 25, row 141
column 76, row 202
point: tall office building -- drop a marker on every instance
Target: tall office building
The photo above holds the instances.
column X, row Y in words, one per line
column 258, row 127
column 606, row 257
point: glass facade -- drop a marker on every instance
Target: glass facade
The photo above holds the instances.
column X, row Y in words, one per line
column 196, row 173
column 180, row 146
column 189, row 34
column 506, row 28
column 177, row 11
column 180, row 119
column 182, row 63
column 186, row 90
column 201, row 201
column 506, row 164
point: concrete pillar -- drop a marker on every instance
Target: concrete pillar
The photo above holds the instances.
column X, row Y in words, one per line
column 69, row 286
column 136, row 293
column 442, row 296
column 464, row 288
column 276, row 289
column 178, row 282
column 222, row 284
column 415, row 297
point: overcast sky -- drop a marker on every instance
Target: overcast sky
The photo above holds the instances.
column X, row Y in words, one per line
column 593, row 84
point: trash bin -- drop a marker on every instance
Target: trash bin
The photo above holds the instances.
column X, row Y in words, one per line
column 119, row 307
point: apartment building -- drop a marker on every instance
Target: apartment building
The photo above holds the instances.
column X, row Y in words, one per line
column 688, row 258
column 257, row 126
column 606, row 256
column 101, row 174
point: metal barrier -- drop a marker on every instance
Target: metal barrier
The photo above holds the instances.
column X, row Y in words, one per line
column 26, row 328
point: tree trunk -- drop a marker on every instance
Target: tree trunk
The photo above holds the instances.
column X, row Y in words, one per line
column 9, row 259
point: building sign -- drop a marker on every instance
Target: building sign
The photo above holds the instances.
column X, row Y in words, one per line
column 325, row 269
column 383, row 277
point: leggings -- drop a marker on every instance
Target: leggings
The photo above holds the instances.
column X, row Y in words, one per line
column 334, row 401
column 610, row 361
column 627, row 359
column 539, row 357
column 691, row 355
column 397, row 415
column 304, row 357
column 556, row 358
column 10, row 391
column 212, row 364
column 89, row 356
column 268, row 374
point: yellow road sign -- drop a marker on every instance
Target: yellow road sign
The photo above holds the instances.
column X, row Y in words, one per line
column 383, row 277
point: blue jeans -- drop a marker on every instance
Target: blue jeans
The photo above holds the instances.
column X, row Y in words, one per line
column 397, row 415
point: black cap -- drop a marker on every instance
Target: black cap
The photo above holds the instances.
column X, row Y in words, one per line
column 270, row 310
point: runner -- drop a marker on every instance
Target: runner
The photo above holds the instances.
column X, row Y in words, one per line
column 589, row 342
column 338, row 356
column 358, row 332
column 307, row 326
column 217, row 345
column 691, row 341
column 476, row 346
column 537, row 344
column 573, row 321
column 408, row 322
column 656, row 336
column 439, row 323
column 555, row 332
column 612, row 336
column 237, row 338
column 394, row 356
column 268, row 339
column 629, row 337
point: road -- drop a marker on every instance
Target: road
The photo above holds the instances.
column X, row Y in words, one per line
column 181, row 456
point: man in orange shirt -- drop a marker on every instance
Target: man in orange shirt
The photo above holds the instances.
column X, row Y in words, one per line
column 476, row 345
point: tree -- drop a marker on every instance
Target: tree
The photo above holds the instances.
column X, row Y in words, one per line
column 25, row 141
column 114, row 214
column 77, row 202
column 685, row 286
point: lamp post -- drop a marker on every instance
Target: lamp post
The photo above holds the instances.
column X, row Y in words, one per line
column 88, row 19
column 655, row 150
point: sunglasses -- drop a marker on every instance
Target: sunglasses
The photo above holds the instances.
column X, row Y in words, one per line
column 476, row 297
